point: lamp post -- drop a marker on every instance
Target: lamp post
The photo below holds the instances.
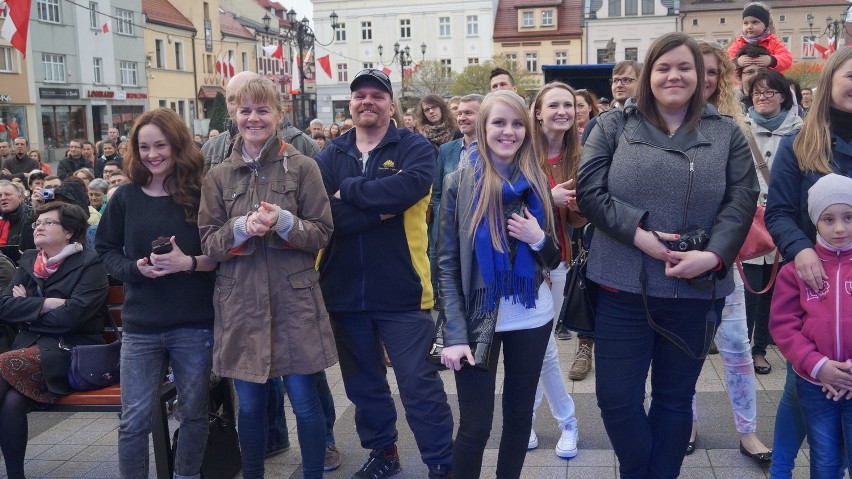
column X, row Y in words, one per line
column 402, row 56
column 810, row 18
column 304, row 37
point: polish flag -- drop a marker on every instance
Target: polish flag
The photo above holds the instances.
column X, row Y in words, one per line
column 230, row 67
column 295, row 85
column 275, row 51
column 17, row 23
column 325, row 64
column 823, row 51
column 105, row 27
column 386, row 71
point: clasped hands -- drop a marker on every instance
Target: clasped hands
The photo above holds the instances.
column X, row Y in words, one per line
column 836, row 379
column 679, row 264
column 259, row 222
column 162, row 264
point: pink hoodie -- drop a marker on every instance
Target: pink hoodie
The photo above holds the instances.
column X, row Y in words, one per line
column 812, row 327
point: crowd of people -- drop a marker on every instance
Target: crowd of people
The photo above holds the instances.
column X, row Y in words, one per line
column 264, row 255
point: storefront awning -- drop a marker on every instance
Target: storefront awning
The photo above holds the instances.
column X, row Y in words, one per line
column 209, row 92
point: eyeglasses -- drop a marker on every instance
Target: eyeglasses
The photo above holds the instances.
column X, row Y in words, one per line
column 378, row 74
column 44, row 223
column 430, row 109
column 626, row 81
column 765, row 94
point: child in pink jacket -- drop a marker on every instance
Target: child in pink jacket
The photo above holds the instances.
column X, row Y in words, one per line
column 813, row 329
column 757, row 29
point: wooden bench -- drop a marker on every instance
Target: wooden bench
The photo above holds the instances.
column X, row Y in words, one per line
column 109, row 399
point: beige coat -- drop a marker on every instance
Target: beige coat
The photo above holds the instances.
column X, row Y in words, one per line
column 270, row 315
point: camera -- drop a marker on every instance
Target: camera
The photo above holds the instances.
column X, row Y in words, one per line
column 695, row 239
column 47, row 194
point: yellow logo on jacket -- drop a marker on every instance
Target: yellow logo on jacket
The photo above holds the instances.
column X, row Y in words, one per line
column 388, row 165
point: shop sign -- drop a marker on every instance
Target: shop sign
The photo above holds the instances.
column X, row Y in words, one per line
column 5, row 98
column 59, row 93
column 120, row 95
column 101, row 94
column 137, row 96
column 116, row 95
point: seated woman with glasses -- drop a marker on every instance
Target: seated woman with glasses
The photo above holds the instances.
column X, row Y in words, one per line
column 55, row 299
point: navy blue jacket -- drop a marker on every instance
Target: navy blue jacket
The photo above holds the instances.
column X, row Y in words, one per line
column 370, row 264
column 448, row 161
column 787, row 203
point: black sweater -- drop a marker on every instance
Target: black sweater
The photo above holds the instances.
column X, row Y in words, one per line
column 131, row 222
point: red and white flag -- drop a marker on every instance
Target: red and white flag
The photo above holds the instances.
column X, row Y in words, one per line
column 17, row 23
column 295, row 84
column 230, row 67
column 325, row 64
column 386, row 71
column 275, row 51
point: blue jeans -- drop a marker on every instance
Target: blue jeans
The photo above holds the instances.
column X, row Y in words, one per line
column 278, row 438
column 253, row 424
column 829, row 426
column 189, row 351
column 407, row 337
column 789, row 430
column 648, row 444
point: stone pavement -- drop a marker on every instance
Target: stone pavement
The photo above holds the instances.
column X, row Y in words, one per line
column 83, row 445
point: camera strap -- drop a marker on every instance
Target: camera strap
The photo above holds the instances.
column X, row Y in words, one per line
column 710, row 322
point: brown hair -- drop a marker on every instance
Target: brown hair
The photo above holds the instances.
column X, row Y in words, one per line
column 591, row 100
column 183, row 180
column 446, row 115
column 72, row 218
column 812, row 145
column 645, row 100
column 569, row 153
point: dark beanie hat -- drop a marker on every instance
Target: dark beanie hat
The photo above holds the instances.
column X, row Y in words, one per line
column 757, row 12
column 74, row 193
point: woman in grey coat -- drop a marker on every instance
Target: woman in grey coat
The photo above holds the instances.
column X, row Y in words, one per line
column 669, row 185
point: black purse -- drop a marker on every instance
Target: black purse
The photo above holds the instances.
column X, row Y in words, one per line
column 480, row 351
column 95, row 366
column 578, row 308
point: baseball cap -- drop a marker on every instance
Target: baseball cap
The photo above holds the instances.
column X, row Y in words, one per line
column 371, row 75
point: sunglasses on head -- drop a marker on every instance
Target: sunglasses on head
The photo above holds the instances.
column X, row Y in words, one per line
column 378, row 74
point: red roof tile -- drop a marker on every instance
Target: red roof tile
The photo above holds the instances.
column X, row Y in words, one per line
column 231, row 27
column 162, row 12
column 267, row 4
column 569, row 20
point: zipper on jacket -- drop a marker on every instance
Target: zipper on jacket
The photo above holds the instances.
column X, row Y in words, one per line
column 837, row 290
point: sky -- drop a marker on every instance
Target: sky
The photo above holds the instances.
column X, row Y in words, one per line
column 304, row 8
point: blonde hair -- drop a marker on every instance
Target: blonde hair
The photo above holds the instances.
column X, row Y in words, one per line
column 812, row 145
column 489, row 185
column 724, row 98
column 569, row 154
column 259, row 90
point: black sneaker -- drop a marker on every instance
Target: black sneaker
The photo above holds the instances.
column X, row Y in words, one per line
column 382, row 463
column 440, row 471
column 562, row 333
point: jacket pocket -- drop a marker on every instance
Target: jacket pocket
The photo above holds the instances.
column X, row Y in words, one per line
column 234, row 196
column 306, row 303
column 284, row 194
column 226, row 302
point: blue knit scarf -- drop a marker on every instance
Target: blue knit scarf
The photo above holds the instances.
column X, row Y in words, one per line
column 503, row 278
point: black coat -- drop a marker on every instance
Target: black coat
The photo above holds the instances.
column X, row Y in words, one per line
column 82, row 281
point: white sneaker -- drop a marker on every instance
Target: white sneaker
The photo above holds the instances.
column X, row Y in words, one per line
column 567, row 445
column 533, row 440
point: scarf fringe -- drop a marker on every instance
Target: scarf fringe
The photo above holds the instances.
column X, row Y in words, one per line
column 506, row 286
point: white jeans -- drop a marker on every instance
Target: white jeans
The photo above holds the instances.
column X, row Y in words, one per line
column 552, row 383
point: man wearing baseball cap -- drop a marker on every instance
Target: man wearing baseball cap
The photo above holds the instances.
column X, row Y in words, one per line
column 375, row 279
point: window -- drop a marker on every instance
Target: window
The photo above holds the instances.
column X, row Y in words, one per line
column 93, row 15
column 631, row 53
column 722, row 21
column 159, row 54
column 473, row 61
column 614, row 8
column 602, row 55
column 405, row 28
column 808, row 50
column 368, row 65
column 723, row 41
column 340, row 33
column 561, row 58
column 342, row 72
column 178, row 55
column 366, row 30
column 782, row 18
column 532, row 62
column 786, row 41
column 443, row 26
column 528, row 19
column 472, row 25
column 6, row 59
column 547, row 18
column 694, row 22
column 125, row 21
column 245, row 65
column 54, row 67
column 162, row 103
column 647, row 7
column 181, row 111
column 446, row 66
column 128, row 73
column 98, row 70
column 48, row 10
column 631, row 7
column 512, row 57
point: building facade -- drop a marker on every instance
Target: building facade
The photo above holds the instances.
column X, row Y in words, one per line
column 617, row 30
column 455, row 33
column 18, row 114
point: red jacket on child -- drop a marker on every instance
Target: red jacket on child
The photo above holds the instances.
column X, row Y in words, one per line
column 811, row 328
column 782, row 56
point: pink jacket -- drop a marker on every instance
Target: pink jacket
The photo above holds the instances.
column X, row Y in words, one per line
column 783, row 57
column 811, row 328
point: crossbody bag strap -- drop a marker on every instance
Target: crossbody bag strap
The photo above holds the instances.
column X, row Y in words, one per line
column 759, row 162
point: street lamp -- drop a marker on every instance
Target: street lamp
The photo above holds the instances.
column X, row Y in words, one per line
column 810, row 18
column 304, row 37
column 402, row 57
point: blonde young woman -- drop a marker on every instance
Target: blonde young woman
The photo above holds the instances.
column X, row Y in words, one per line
column 732, row 334
column 557, row 147
column 495, row 246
